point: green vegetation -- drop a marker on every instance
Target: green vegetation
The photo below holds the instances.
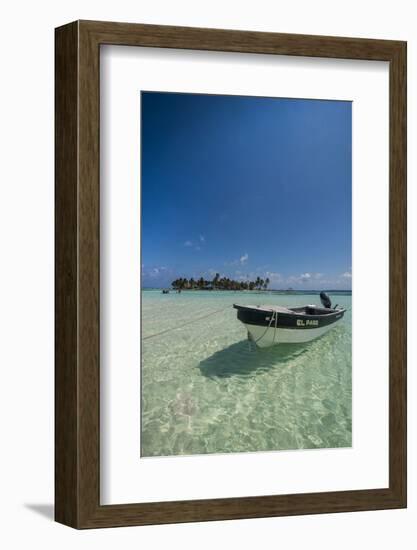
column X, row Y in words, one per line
column 219, row 283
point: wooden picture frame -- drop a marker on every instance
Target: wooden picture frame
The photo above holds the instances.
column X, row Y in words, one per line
column 77, row 382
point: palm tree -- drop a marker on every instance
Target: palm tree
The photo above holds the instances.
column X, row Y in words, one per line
column 223, row 283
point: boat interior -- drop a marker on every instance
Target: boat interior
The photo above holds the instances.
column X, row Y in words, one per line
column 302, row 310
column 313, row 310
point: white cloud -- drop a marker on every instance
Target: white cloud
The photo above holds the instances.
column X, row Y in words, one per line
column 202, row 239
column 197, row 248
column 188, row 243
column 318, row 280
column 274, row 277
column 244, row 258
column 154, row 272
column 299, row 278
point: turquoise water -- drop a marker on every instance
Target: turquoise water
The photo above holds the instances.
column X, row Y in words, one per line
column 206, row 389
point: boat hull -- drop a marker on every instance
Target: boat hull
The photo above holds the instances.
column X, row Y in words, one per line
column 271, row 325
column 265, row 337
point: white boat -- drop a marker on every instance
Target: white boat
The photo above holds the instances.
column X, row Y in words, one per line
column 268, row 325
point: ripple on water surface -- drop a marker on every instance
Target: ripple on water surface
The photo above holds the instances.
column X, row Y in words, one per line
column 206, row 389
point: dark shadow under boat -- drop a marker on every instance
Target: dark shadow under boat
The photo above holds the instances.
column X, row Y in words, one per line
column 244, row 359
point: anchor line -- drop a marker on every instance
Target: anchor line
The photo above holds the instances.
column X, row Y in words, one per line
column 276, row 324
column 184, row 324
column 269, row 326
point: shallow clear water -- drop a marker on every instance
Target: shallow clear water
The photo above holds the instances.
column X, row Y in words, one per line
column 206, row 389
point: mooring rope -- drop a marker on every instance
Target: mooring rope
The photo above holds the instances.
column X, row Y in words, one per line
column 184, row 324
column 269, row 326
column 276, row 324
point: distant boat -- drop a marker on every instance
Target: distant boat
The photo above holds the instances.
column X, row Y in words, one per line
column 270, row 325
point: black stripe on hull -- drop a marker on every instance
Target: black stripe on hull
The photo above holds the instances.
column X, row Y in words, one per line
column 261, row 317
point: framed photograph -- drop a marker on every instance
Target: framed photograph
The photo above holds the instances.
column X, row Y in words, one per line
column 230, row 274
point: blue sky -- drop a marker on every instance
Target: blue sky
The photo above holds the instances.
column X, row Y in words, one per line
column 246, row 186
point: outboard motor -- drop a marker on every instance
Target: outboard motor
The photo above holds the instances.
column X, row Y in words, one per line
column 325, row 300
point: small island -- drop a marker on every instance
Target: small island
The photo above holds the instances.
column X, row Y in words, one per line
column 219, row 283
